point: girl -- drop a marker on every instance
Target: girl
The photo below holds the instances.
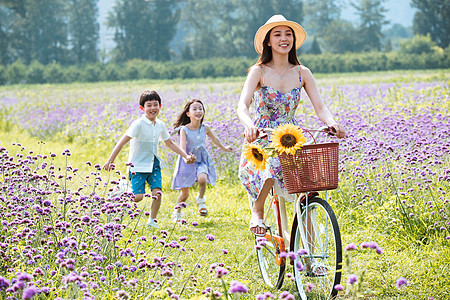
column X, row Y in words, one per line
column 192, row 140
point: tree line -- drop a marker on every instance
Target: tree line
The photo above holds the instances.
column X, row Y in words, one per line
column 66, row 32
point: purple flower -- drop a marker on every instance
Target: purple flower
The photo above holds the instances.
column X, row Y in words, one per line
column 338, row 287
column 210, row 237
column 286, row 295
column 350, row 247
column 24, row 277
column 309, row 287
column 401, row 282
column 220, row 272
column 352, row 279
column 264, row 296
column 30, row 292
column 122, row 295
column 195, row 223
column 237, row 287
column 4, row 283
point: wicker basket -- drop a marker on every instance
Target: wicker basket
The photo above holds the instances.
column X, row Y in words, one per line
column 312, row 168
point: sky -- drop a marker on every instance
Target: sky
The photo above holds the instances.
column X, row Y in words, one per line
column 399, row 11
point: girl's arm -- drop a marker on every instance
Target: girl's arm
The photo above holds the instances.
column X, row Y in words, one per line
column 215, row 140
column 189, row 159
column 245, row 100
column 320, row 108
column 125, row 139
column 183, row 139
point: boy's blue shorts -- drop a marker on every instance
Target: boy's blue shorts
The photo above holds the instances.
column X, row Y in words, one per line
column 153, row 179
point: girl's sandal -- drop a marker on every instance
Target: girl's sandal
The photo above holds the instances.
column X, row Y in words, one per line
column 202, row 206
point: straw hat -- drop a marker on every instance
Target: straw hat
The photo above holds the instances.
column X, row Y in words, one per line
column 279, row 20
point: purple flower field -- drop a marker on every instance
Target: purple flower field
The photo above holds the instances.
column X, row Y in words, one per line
column 62, row 236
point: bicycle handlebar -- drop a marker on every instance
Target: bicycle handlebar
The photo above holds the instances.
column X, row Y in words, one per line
column 326, row 129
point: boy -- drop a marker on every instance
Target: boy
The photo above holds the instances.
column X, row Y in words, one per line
column 145, row 134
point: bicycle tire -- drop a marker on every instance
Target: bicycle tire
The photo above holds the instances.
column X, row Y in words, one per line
column 272, row 272
column 327, row 249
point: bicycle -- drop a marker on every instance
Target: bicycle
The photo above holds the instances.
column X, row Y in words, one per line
column 312, row 168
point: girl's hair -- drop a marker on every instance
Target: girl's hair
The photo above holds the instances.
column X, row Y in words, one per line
column 183, row 119
column 266, row 55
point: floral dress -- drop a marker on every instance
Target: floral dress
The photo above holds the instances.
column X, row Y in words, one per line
column 272, row 109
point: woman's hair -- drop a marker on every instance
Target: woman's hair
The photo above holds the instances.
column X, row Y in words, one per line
column 183, row 119
column 266, row 55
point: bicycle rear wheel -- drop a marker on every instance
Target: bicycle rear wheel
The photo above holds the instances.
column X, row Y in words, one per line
column 322, row 243
column 268, row 249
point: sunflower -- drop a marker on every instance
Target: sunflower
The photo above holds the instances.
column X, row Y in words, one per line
column 255, row 155
column 288, row 138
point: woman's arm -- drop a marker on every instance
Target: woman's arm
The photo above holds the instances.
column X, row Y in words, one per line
column 245, row 100
column 320, row 108
column 215, row 140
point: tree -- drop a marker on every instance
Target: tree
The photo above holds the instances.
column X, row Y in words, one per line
column 341, row 37
column 433, row 17
column 6, row 51
column 42, row 33
column 417, row 45
column 83, row 30
column 315, row 48
column 320, row 14
column 143, row 29
column 371, row 14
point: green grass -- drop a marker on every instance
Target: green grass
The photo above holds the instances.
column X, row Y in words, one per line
column 426, row 265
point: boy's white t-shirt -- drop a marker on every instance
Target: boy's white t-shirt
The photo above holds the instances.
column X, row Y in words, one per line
column 145, row 136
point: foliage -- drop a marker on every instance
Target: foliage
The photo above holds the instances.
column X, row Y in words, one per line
column 432, row 18
column 214, row 68
column 83, row 30
column 418, row 45
column 372, row 18
column 143, row 29
column 393, row 190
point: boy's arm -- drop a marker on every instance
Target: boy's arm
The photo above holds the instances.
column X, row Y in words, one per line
column 175, row 148
column 125, row 139
column 216, row 141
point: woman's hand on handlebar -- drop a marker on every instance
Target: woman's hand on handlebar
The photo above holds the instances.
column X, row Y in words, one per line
column 252, row 133
column 337, row 129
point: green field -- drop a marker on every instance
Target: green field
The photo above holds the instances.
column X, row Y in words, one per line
column 394, row 189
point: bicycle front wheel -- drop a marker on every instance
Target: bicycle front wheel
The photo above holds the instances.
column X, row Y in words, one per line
column 317, row 240
column 268, row 249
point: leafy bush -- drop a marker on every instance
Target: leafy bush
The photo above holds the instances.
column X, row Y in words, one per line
column 417, row 45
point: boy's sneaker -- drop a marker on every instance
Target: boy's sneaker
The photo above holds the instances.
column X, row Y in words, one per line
column 177, row 216
column 151, row 223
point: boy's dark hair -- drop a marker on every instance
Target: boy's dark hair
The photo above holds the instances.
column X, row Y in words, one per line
column 148, row 96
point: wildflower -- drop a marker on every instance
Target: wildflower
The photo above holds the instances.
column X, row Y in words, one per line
column 264, row 296
column 352, row 279
column 4, row 283
column 237, row 287
column 122, row 295
column 288, row 138
column 338, row 287
column 350, row 247
column 309, row 287
column 255, row 155
column 210, row 237
column 220, row 272
column 300, row 266
column 286, row 295
column 24, row 277
column 401, row 282
column 224, row 251
column 195, row 223
column 30, row 292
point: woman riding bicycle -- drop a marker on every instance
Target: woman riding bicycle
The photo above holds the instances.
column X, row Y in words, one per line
column 274, row 83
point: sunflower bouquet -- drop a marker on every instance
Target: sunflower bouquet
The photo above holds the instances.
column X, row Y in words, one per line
column 286, row 138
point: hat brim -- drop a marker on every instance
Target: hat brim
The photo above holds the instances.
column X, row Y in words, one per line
column 300, row 34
